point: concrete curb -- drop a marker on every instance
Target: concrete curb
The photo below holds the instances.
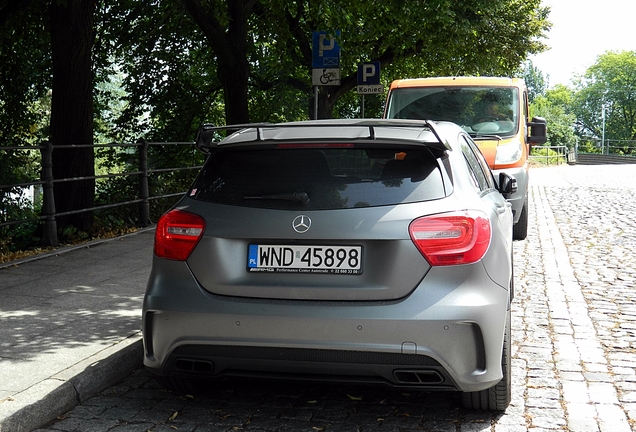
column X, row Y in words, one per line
column 65, row 249
column 43, row 402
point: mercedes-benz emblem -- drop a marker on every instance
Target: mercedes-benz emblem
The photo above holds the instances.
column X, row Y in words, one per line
column 301, row 224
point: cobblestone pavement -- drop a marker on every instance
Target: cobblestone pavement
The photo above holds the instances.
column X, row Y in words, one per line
column 574, row 340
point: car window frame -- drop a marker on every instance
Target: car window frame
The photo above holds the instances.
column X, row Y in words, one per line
column 482, row 161
column 482, row 180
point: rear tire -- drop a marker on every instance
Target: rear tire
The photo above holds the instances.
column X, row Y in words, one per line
column 496, row 398
column 520, row 229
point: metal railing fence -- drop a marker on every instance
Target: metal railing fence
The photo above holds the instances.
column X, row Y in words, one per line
column 47, row 182
column 619, row 147
column 549, row 154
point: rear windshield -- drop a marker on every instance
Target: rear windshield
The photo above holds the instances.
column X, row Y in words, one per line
column 478, row 110
column 319, row 179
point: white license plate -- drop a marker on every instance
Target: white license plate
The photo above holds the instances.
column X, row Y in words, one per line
column 305, row 259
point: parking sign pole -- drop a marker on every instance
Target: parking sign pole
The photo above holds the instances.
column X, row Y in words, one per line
column 325, row 62
column 362, row 108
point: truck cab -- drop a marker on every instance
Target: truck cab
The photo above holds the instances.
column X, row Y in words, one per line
column 493, row 110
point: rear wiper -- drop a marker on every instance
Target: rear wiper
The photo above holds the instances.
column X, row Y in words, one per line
column 300, row 197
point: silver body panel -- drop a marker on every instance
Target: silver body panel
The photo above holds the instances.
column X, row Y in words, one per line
column 451, row 317
column 437, row 320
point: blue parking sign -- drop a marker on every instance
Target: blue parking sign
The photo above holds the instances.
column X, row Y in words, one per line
column 325, row 49
column 369, row 73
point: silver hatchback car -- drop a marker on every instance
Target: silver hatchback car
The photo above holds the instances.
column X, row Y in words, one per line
column 365, row 251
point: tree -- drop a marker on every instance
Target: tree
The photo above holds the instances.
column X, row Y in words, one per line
column 535, row 80
column 169, row 84
column 72, row 37
column 25, row 73
column 180, row 62
column 24, row 85
column 228, row 38
column 443, row 38
column 555, row 108
column 608, row 87
column 46, row 45
column 173, row 70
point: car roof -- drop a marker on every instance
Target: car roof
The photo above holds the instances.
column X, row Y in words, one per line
column 380, row 131
column 458, row 81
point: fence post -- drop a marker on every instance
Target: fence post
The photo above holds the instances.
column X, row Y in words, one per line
column 144, row 205
column 48, row 201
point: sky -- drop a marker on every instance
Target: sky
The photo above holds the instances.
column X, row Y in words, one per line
column 581, row 31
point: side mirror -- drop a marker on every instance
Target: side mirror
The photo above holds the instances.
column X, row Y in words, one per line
column 538, row 131
column 507, row 184
column 205, row 137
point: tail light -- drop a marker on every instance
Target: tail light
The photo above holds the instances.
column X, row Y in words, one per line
column 178, row 232
column 452, row 238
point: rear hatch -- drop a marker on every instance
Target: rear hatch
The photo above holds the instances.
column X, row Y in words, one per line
column 318, row 220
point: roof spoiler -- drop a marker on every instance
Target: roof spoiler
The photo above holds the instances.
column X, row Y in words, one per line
column 208, row 136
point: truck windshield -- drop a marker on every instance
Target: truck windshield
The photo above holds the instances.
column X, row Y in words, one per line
column 481, row 111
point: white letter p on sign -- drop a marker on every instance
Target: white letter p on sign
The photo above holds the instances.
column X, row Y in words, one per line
column 322, row 46
column 368, row 70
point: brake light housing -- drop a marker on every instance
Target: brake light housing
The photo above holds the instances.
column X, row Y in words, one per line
column 177, row 234
column 452, row 238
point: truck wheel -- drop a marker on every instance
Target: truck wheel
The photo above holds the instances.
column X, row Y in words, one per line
column 496, row 398
column 520, row 229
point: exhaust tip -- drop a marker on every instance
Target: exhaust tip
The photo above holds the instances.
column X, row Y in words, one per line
column 194, row 365
column 418, row 377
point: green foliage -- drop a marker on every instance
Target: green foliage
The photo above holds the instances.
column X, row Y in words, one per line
column 483, row 37
column 19, row 236
column 441, row 37
column 156, row 73
column 25, row 73
column 562, row 96
column 621, row 147
column 560, row 122
column 589, row 146
column 603, row 103
column 609, row 87
column 167, row 74
column 24, row 98
column 535, row 81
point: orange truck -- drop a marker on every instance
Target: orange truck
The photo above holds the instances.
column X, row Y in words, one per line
column 493, row 110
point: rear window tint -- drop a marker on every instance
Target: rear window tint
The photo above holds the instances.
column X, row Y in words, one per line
column 319, row 179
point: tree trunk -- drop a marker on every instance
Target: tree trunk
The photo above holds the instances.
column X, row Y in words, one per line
column 329, row 95
column 233, row 72
column 72, row 108
column 230, row 46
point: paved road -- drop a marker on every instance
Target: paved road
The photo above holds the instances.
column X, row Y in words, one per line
column 574, row 340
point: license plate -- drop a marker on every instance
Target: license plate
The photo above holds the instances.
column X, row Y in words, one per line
column 305, row 259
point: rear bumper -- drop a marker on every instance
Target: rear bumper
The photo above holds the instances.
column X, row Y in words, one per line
column 448, row 334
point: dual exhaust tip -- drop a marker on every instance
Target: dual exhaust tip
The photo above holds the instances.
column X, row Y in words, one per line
column 402, row 376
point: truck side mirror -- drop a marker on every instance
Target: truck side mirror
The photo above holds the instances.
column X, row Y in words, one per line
column 538, row 131
column 507, row 184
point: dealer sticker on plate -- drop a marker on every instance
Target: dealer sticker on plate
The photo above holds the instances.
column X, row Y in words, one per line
column 305, row 259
